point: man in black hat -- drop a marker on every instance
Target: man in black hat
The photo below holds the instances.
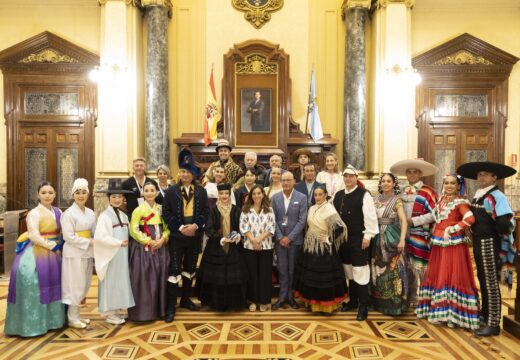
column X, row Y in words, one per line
column 233, row 170
column 492, row 238
column 185, row 210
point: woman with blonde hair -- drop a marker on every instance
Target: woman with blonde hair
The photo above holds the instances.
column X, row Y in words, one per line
column 331, row 177
column 163, row 176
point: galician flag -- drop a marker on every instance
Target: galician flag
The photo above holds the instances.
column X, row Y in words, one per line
column 313, row 117
column 212, row 113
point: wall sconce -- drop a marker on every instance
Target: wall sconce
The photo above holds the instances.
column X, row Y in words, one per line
column 105, row 71
column 405, row 73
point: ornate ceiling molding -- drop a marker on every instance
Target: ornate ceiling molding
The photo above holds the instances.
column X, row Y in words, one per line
column 257, row 12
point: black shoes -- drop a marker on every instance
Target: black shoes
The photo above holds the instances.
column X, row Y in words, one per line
column 169, row 317
column 277, row 305
column 348, row 306
column 362, row 313
column 293, row 304
column 188, row 304
column 488, row 331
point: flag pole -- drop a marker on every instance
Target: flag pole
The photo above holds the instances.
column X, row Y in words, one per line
column 309, row 105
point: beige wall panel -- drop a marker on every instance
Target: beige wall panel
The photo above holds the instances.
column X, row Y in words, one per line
column 78, row 23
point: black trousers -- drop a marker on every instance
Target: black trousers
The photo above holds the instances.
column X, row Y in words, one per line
column 184, row 254
column 486, row 252
column 259, row 266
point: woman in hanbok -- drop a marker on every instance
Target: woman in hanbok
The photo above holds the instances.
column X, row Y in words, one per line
column 149, row 258
column 78, row 225
column 243, row 191
column 34, row 301
column 331, row 177
column 111, row 257
column 319, row 278
column 223, row 274
column 275, row 183
column 390, row 273
column 448, row 293
column 257, row 225
column 163, row 175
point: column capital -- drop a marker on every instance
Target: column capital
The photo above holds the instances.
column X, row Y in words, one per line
column 350, row 4
column 385, row 3
column 160, row 3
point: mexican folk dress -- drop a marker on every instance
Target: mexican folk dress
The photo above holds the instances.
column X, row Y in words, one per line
column 390, row 273
column 319, row 278
column 148, row 267
column 448, row 292
column 115, row 291
column 34, row 302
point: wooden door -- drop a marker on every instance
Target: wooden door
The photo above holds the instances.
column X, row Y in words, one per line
column 54, row 154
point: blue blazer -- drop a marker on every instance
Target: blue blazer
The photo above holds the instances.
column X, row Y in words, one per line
column 296, row 216
column 302, row 187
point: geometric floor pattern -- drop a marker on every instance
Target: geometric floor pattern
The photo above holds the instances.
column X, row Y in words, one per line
column 284, row 334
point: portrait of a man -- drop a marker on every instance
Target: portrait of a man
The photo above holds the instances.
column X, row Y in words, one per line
column 256, row 110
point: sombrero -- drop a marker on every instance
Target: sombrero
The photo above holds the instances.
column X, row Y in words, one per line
column 296, row 154
column 471, row 170
column 400, row 167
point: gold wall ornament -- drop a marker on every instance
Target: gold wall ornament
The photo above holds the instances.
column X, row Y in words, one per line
column 347, row 4
column 257, row 12
column 256, row 64
column 463, row 57
column 48, row 56
column 385, row 3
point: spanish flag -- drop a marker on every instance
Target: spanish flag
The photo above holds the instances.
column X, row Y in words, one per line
column 212, row 113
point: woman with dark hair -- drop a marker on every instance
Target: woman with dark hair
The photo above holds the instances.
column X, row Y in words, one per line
column 149, row 258
column 257, row 225
column 222, row 272
column 389, row 288
column 34, row 301
column 448, row 293
column 319, row 278
column 242, row 192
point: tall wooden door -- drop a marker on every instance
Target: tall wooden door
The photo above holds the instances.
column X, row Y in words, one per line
column 50, row 109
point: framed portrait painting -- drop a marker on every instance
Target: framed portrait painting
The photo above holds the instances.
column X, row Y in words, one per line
column 255, row 110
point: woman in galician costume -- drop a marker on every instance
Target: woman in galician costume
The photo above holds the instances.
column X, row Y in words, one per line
column 390, row 272
column 448, row 293
column 149, row 258
column 78, row 223
column 111, row 257
column 319, row 278
column 34, row 301
column 223, row 273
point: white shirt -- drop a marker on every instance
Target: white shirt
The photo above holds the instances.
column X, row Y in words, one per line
column 369, row 215
column 287, row 200
column 481, row 192
column 257, row 224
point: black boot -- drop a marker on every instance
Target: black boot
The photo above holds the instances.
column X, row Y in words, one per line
column 362, row 313
column 171, row 302
column 362, row 293
column 487, row 330
column 186, row 294
column 352, row 293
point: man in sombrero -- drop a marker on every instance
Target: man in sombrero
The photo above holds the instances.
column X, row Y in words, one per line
column 300, row 158
column 492, row 238
column 419, row 199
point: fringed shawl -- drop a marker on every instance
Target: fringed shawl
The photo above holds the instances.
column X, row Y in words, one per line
column 323, row 219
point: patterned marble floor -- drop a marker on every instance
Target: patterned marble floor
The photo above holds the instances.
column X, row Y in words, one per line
column 285, row 334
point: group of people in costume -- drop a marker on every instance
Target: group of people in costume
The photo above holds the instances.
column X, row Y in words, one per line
column 336, row 246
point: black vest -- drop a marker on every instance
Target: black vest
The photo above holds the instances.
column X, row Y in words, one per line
column 350, row 208
column 484, row 226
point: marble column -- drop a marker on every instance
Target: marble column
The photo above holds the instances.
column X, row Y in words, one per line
column 355, row 14
column 157, row 144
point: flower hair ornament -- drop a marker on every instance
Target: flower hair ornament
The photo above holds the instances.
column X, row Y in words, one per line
column 460, row 181
column 397, row 190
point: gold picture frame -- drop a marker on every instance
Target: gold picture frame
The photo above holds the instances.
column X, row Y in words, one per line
column 257, row 12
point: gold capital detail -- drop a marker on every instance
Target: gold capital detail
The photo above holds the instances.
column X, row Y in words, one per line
column 48, row 56
column 347, row 4
column 463, row 57
column 257, row 12
column 256, row 64
column 385, row 3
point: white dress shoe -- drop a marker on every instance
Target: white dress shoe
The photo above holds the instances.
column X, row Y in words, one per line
column 114, row 320
column 76, row 324
column 85, row 321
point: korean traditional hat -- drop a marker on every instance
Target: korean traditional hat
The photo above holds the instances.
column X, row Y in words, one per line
column 296, row 154
column 400, row 167
column 187, row 162
column 115, row 186
column 471, row 170
column 223, row 143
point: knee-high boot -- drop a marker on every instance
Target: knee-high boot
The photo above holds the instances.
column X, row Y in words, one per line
column 362, row 293
column 186, row 294
column 171, row 301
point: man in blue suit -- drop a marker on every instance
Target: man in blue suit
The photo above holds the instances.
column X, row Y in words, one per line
column 290, row 211
column 309, row 183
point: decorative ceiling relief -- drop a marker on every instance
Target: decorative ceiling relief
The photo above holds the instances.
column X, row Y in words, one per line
column 257, row 12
